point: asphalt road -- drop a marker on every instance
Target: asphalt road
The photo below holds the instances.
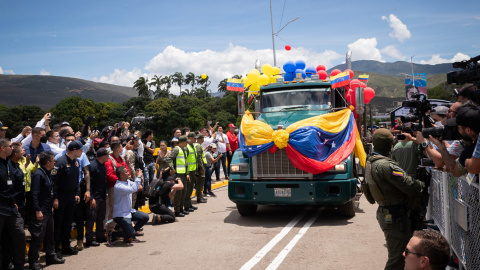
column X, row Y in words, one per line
column 278, row 237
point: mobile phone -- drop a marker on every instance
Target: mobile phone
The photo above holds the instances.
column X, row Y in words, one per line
column 209, row 122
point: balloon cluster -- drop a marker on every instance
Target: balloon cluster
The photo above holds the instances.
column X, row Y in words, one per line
column 368, row 93
column 255, row 79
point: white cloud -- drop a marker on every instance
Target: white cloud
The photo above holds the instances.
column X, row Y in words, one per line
column 365, row 49
column 392, row 51
column 44, row 72
column 400, row 30
column 6, row 71
column 122, row 77
column 477, row 17
column 436, row 59
column 218, row 65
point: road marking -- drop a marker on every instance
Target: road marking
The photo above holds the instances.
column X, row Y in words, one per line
column 281, row 256
column 253, row 261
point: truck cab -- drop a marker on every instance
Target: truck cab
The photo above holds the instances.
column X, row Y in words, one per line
column 271, row 178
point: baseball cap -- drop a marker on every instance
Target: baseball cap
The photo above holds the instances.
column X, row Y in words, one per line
column 174, row 139
column 213, row 145
column 231, row 125
column 75, row 145
column 102, row 152
column 182, row 138
column 468, row 117
column 131, row 137
column 65, row 124
column 2, row 127
column 439, row 110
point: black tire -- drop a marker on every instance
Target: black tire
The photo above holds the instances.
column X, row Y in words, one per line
column 348, row 209
column 247, row 209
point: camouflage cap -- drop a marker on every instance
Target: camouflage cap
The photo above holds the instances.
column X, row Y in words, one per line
column 182, row 138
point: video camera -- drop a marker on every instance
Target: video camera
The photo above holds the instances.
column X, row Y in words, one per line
column 470, row 72
column 419, row 107
column 446, row 132
column 140, row 118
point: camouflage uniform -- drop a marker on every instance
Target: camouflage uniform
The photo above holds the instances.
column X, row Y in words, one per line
column 179, row 198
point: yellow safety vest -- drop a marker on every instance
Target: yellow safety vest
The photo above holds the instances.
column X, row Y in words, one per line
column 180, row 161
column 191, row 158
column 203, row 153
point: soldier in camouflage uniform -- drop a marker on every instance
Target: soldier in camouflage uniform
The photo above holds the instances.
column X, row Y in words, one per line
column 177, row 161
column 201, row 167
column 390, row 186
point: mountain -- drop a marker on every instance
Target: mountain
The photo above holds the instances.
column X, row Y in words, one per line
column 397, row 68
column 47, row 91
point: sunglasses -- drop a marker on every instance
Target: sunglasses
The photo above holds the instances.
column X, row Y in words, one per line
column 408, row 251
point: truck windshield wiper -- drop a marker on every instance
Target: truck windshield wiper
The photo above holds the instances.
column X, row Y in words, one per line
column 294, row 107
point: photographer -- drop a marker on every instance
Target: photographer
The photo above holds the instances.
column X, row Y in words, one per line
column 469, row 128
column 160, row 196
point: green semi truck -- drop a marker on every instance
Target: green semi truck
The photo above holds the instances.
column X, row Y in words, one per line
column 271, row 178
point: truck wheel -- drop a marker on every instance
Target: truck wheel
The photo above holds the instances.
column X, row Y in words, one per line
column 347, row 209
column 247, row 209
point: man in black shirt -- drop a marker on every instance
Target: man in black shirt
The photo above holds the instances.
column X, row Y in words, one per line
column 41, row 225
column 160, row 196
column 66, row 194
column 10, row 219
column 97, row 207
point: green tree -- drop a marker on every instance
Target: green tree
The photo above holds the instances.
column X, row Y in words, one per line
column 178, row 79
column 222, row 85
column 156, row 82
column 190, row 79
column 442, row 91
column 142, row 87
column 166, row 82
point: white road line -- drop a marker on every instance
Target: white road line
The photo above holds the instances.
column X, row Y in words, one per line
column 253, row 261
column 281, row 256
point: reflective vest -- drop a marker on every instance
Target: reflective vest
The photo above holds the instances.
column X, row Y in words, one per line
column 203, row 153
column 191, row 158
column 180, row 162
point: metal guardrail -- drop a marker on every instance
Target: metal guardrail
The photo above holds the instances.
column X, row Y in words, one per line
column 455, row 207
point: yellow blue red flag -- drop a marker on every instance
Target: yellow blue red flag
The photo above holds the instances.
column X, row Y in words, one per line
column 235, row 85
column 341, row 79
column 363, row 78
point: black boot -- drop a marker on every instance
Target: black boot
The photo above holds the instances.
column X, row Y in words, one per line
column 54, row 260
column 35, row 266
column 179, row 214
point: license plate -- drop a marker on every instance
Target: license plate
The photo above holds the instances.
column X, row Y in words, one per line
column 283, row 192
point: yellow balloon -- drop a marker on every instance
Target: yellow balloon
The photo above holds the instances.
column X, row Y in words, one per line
column 254, row 89
column 204, row 76
column 246, row 82
column 273, row 79
column 263, row 79
column 275, row 70
column 256, row 71
column 267, row 69
column 252, row 76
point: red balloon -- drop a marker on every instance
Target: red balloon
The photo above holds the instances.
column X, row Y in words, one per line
column 322, row 74
column 355, row 84
column 351, row 73
column 288, row 47
column 321, row 67
column 335, row 72
column 350, row 97
column 368, row 93
column 363, row 85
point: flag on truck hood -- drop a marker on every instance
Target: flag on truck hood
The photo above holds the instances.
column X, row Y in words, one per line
column 235, row 85
column 363, row 78
column 313, row 145
column 341, row 79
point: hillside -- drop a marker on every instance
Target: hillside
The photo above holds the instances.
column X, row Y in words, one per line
column 396, row 68
column 46, row 91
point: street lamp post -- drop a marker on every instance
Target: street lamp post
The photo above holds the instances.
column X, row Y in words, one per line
column 275, row 34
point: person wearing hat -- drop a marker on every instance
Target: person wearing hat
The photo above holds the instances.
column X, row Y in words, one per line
column 192, row 172
column 177, row 162
column 66, row 194
column 201, row 168
column 391, row 187
column 233, row 139
column 3, row 130
column 439, row 115
column 97, row 207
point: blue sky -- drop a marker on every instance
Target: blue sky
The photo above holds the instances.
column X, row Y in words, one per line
column 118, row 41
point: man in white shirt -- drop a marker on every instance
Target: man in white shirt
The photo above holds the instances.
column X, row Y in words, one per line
column 207, row 139
column 53, row 140
column 223, row 146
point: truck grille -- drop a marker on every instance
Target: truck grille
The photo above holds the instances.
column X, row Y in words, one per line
column 268, row 165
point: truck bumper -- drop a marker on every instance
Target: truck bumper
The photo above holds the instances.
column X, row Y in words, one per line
column 335, row 192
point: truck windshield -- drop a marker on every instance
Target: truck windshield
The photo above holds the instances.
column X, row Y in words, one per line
column 297, row 99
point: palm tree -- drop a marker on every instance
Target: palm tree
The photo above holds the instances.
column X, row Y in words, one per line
column 166, row 81
column 222, row 85
column 190, row 79
column 205, row 82
column 177, row 79
column 186, row 92
column 142, row 87
column 156, row 82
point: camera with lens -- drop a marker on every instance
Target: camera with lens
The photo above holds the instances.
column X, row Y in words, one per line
column 470, row 72
column 446, row 132
column 140, row 118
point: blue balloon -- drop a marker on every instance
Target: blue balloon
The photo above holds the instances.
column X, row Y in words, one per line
column 310, row 71
column 288, row 76
column 300, row 64
column 289, row 66
column 300, row 71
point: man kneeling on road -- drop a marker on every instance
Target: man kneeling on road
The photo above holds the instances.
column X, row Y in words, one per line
column 123, row 214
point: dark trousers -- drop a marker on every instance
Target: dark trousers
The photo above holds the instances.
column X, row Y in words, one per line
column 79, row 216
column 95, row 215
column 165, row 213
column 63, row 218
column 126, row 224
column 229, row 161
column 189, row 186
column 14, row 226
column 207, row 186
column 222, row 160
column 42, row 232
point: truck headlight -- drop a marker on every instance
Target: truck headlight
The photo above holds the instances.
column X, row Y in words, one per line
column 342, row 167
column 242, row 167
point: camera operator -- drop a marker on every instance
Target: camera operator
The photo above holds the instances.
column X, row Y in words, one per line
column 469, row 128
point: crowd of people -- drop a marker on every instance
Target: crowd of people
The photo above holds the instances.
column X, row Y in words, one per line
column 52, row 178
column 397, row 180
